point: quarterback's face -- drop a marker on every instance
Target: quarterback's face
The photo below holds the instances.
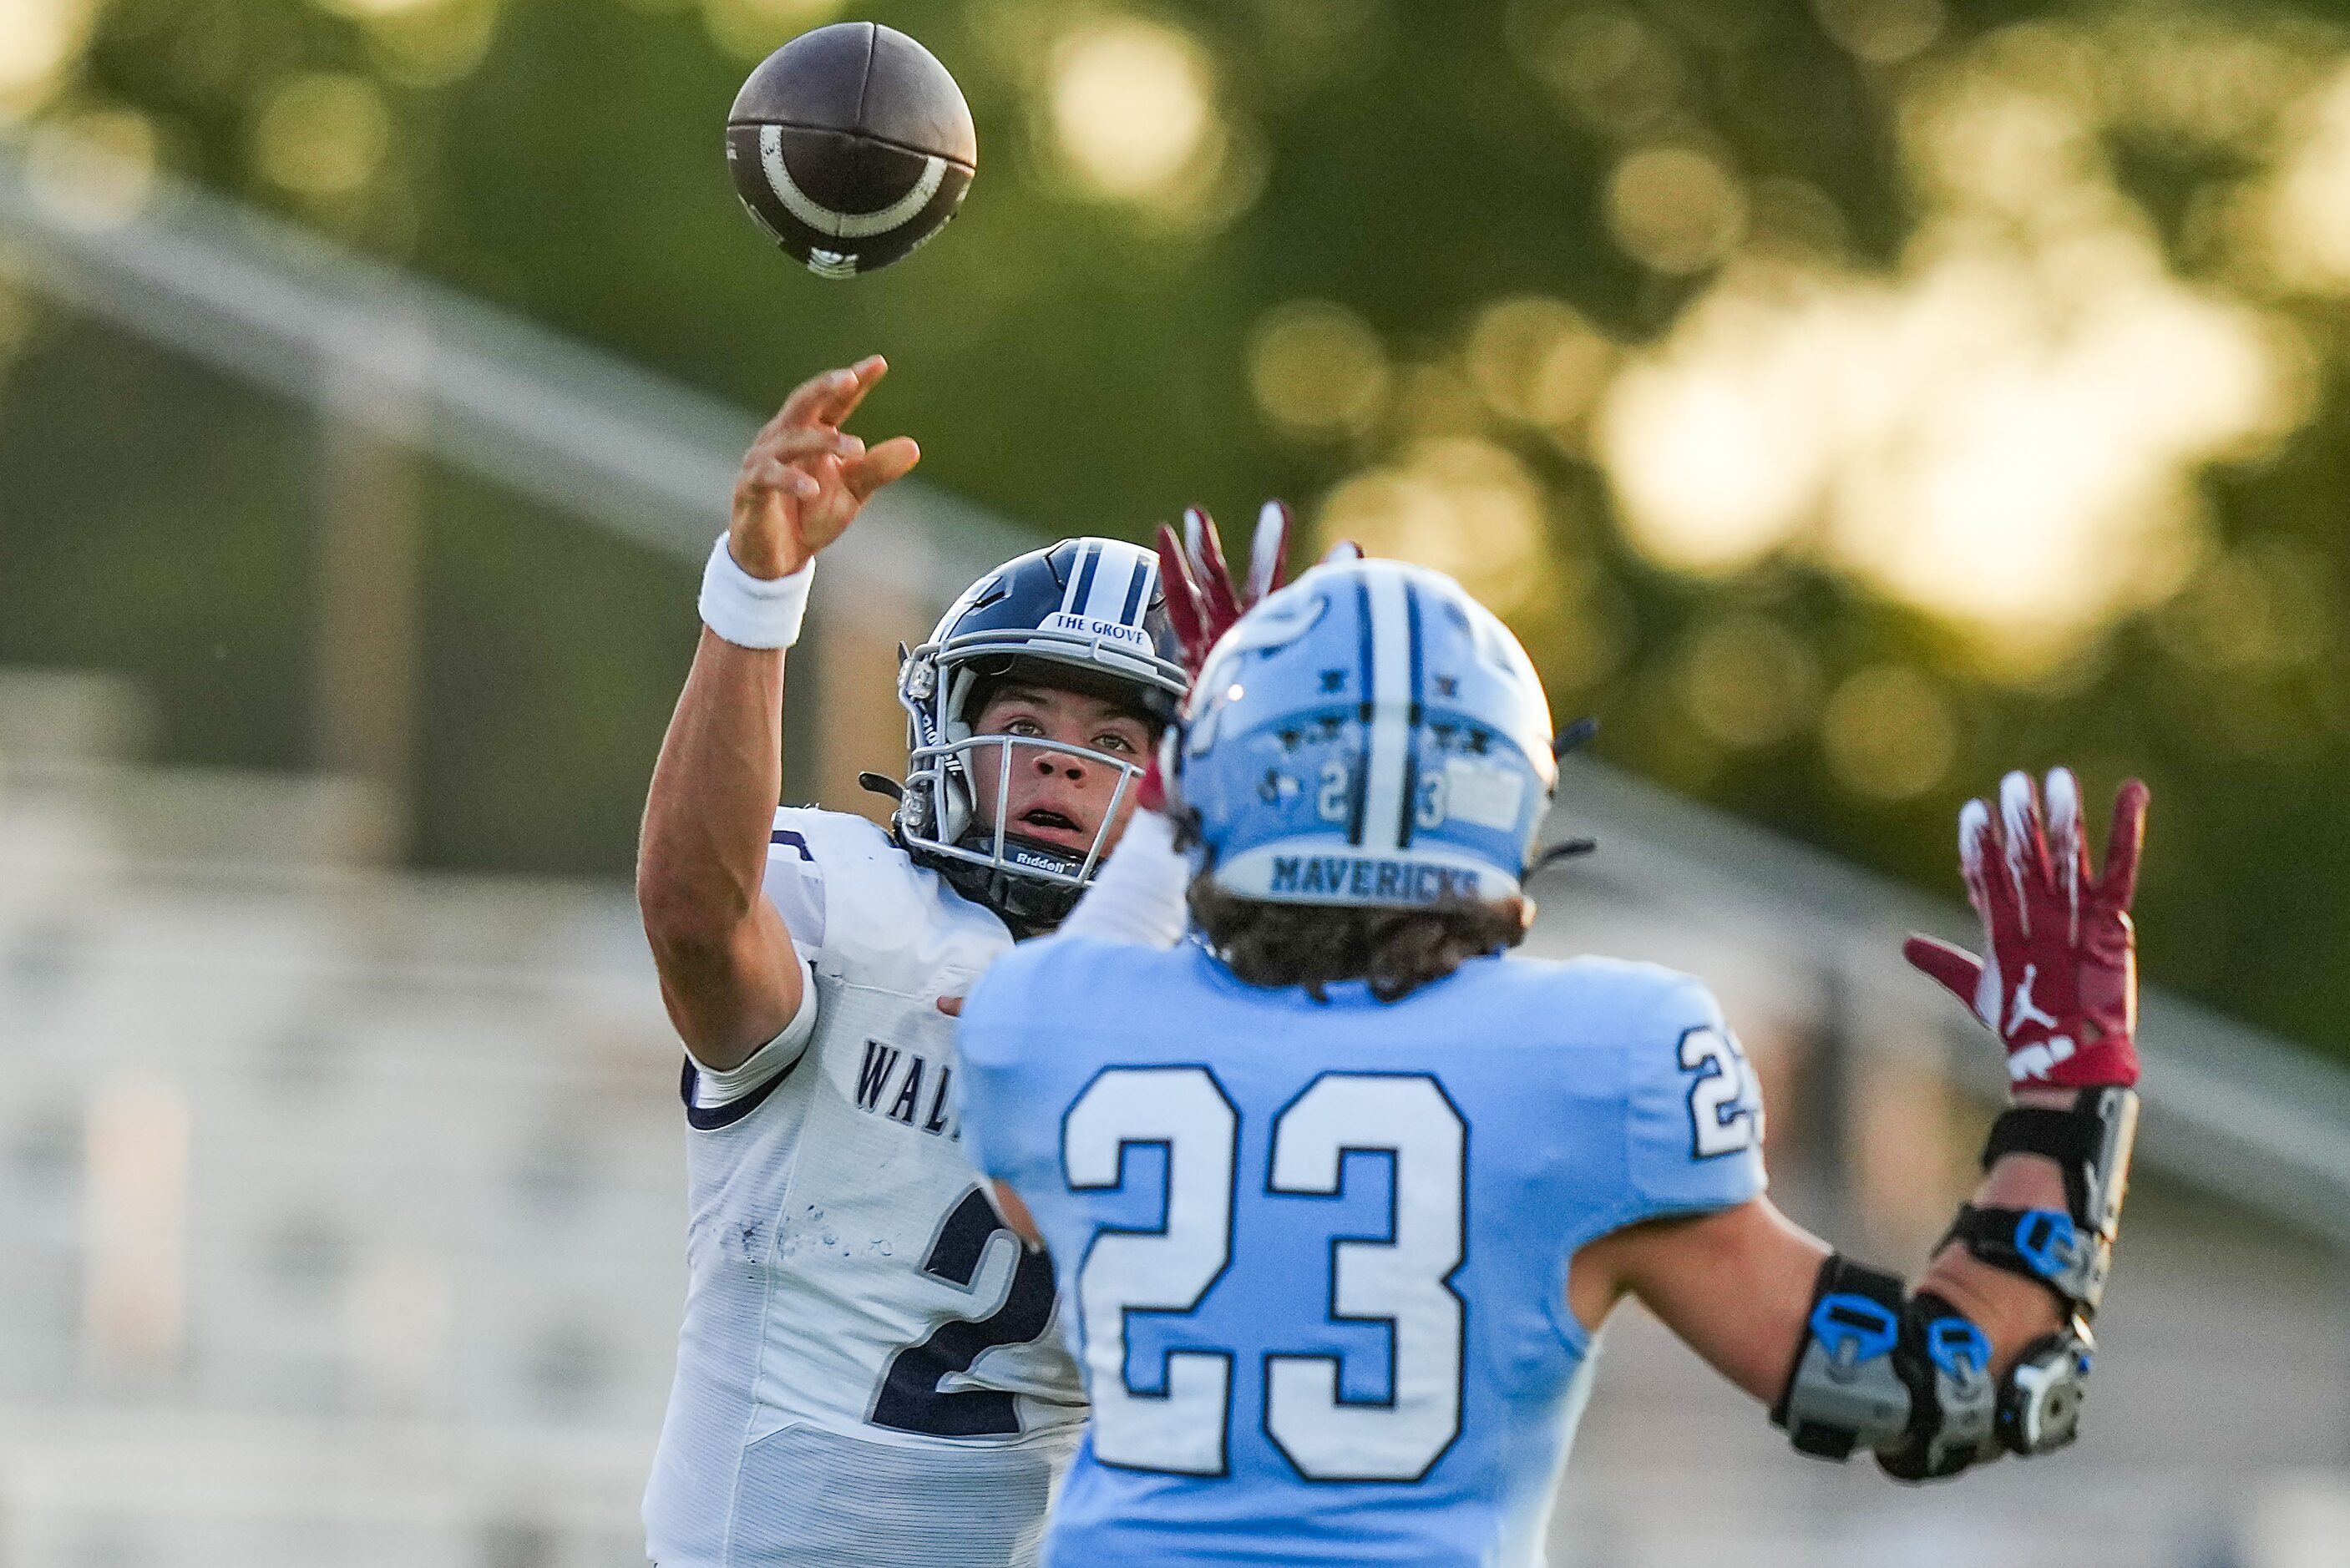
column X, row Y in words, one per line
column 1056, row 797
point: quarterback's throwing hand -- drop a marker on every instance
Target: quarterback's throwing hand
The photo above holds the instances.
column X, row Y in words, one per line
column 805, row 479
column 2058, row 979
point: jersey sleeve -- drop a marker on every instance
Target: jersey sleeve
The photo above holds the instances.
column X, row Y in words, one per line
column 998, row 1076
column 794, row 883
column 720, row 1099
column 1693, row 1110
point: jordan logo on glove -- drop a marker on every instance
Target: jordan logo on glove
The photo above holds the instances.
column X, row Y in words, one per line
column 2024, row 1012
column 2057, row 980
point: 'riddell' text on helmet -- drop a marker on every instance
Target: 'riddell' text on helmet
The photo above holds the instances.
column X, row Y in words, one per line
column 1369, row 736
column 1086, row 615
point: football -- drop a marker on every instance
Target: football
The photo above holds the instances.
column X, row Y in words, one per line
column 851, row 145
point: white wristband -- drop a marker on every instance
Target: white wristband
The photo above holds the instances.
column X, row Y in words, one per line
column 753, row 612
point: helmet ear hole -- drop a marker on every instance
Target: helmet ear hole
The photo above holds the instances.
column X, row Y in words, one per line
column 955, row 778
column 954, row 800
column 956, row 725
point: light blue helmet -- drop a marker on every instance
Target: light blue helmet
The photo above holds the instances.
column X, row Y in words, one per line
column 1369, row 735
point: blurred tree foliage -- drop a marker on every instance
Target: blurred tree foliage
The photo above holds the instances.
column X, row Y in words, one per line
column 1087, row 359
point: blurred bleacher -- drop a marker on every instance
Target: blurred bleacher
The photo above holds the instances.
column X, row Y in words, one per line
column 341, row 1208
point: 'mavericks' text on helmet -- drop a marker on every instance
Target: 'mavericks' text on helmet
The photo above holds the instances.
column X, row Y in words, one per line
column 1088, row 615
column 1369, row 735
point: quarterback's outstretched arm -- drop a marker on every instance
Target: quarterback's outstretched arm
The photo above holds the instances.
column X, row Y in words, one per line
column 1991, row 1350
column 728, row 973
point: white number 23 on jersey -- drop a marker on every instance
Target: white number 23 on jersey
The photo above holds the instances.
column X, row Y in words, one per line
column 1401, row 1281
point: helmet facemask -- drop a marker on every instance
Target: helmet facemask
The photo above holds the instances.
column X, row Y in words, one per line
column 973, row 841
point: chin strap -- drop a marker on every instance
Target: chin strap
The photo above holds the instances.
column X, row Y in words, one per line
column 1573, row 738
column 1559, row 854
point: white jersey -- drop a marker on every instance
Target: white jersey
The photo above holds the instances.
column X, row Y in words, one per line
column 870, row 1372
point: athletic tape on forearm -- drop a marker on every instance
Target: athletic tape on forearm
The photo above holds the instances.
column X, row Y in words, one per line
column 753, row 612
column 1138, row 895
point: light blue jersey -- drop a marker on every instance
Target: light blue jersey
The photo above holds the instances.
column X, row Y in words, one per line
column 1313, row 1255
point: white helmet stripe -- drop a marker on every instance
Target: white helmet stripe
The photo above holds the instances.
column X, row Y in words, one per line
column 1077, row 578
column 1414, row 713
column 1145, row 590
column 1390, row 697
column 1113, row 574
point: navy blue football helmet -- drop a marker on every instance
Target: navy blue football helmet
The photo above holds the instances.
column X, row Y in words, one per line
column 1086, row 614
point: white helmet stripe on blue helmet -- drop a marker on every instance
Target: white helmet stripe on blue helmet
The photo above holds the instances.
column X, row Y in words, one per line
column 1390, row 623
column 1405, row 817
column 1143, row 588
column 1081, row 576
column 1104, row 583
column 1112, row 581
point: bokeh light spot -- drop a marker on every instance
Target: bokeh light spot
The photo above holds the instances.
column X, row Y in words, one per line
column 1888, row 734
column 1675, row 209
column 39, row 40
column 2262, row 606
column 2307, row 205
column 380, row 10
column 1882, row 32
column 1615, row 71
column 1588, row 637
column 1132, row 106
column 1747, row 681
column 96, row 168
column 2013, row 153
column 1710, row 455
column 754, row 29
column 1793, row 217
column 1318, row 369
column 1465, row 506
column 1538, row 361
column 322, row 135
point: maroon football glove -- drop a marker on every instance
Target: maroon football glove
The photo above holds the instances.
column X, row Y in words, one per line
column 1203, row 598
column 2059, row 982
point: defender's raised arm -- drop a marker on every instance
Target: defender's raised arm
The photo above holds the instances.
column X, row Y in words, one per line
column 1992, row 1350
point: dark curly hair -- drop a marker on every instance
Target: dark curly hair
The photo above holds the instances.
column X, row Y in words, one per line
column 1395, row 952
